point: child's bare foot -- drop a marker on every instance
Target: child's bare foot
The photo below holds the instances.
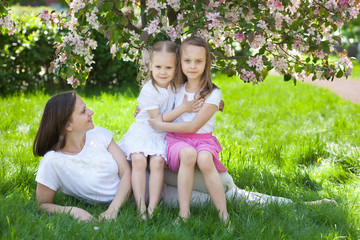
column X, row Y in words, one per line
column 143, row 214
column 318, row 202
column 179, row 220
column 150, row 212
column 182, row 218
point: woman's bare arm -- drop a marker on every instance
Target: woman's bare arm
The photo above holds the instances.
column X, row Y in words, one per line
column 45, row 197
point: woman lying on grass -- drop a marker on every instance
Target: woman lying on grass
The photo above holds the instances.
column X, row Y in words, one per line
column 79, row 159
column 85, row 162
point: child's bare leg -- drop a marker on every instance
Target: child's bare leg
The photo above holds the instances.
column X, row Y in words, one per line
column 138, row 180
column 155, row 181
column 187, row 160
column 213, row 182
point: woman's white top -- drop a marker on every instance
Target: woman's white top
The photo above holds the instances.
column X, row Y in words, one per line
column 141, row 137
column 91, row 175
column 213, row 98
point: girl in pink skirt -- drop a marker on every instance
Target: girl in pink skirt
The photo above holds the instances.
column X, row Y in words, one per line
column 189, row 139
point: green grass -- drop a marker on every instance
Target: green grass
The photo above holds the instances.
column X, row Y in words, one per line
column 356, row 71
column 300, row 142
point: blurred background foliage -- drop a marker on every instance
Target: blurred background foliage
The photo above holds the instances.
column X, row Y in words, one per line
column 25, row 57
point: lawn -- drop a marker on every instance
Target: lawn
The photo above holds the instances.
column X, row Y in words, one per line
column 300, row 142
column 356, row 71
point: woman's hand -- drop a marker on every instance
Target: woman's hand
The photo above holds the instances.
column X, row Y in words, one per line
column 221, row 106
column 155, row 123
column 78, row 213
column 194, row 105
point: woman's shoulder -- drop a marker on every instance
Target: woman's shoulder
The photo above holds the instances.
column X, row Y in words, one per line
column 50, row 154
column 99, row 131
column 50, row 157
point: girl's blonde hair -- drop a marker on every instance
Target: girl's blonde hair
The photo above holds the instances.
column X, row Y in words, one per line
column 164, row 46
column 206, row 83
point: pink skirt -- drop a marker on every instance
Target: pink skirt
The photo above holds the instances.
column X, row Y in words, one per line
column 200, row 142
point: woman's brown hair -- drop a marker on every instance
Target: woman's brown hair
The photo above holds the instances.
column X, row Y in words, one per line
column 206, row 83
column 51, row 133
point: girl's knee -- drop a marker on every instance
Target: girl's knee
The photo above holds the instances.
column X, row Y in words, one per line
column 205, row 161
column 138, row 160
column 188, row 156
column 157, row 162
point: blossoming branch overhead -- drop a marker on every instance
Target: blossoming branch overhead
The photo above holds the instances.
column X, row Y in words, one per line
column 247, row 38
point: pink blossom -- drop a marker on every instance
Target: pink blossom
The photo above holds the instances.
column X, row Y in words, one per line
column 256, row 62
column 114, row 48
column 212, row 16
column 73, row 81
column 45, row 16
column 154, row 4
column 76, row 5
column 279, row 63
column 258, row 41
column 152, row 28
column 249, row 76
column 262, row 24
column 171, row 32
column 239, row 37
column 175, row 4
column 320, row 54
column 311, row 31
column 63, row 57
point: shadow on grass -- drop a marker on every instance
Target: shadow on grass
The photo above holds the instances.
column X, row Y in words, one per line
column 298, row 187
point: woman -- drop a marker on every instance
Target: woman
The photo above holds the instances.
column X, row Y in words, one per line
column 79, row 160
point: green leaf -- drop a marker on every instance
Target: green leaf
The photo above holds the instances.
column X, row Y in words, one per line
column 117, row 4
column 70, row 72
column 334, row 26
column 264, row 73
column 298, row 68
column 339, row 74
column 287, row 77
column 58, row 39
column 124, row 21
column 108, row 6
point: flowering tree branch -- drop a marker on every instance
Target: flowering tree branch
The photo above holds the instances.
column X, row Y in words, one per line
column 247, row 38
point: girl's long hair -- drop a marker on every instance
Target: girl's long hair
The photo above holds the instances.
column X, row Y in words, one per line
column 164, row 46
column 51, row 133
column 207, row 86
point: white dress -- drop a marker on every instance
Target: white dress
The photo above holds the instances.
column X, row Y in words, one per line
column 141, row 137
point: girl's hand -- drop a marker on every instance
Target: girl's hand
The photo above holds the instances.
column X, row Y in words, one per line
column 155, row 123
column 137, row 111
column 194, row 105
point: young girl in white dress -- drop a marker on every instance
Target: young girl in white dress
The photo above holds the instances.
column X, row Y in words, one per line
column 142, row 143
